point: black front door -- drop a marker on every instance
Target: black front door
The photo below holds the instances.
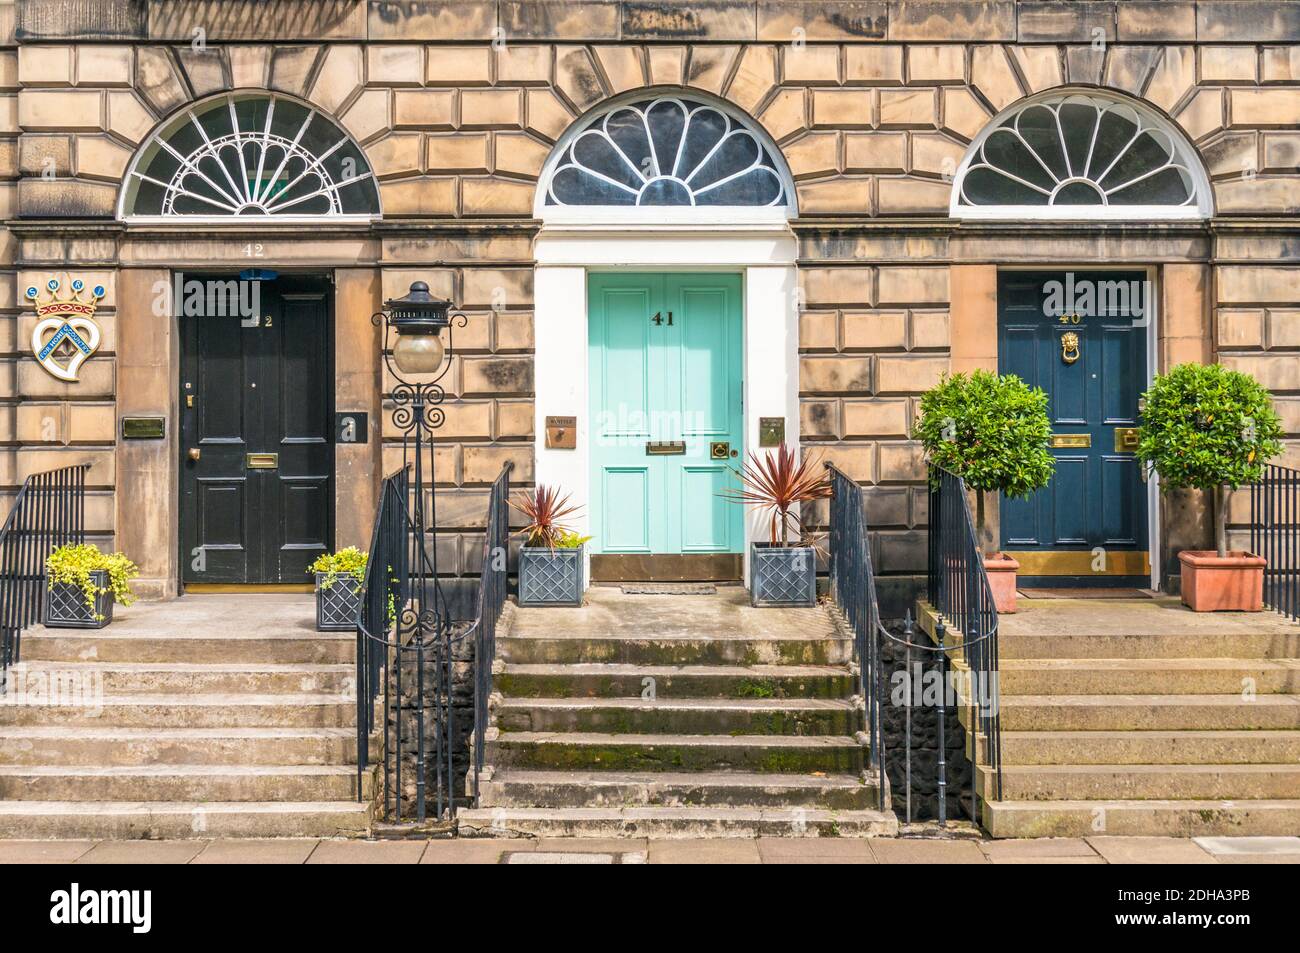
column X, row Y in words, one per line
column 257, row 455
column 1080, row 336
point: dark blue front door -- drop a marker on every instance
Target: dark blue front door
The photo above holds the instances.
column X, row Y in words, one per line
column 1081, row 337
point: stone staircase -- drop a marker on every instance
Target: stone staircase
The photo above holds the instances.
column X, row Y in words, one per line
column 1140, row 717
column 674, row 716
column 208, row 716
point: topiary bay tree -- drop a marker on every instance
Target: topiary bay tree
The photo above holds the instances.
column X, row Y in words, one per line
column 1208, row 428
column 992, row 430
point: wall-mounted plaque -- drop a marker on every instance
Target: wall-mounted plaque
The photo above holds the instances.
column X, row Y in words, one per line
column 561, row 433
column 144, row 428
column 352, row 426
column 771, row 431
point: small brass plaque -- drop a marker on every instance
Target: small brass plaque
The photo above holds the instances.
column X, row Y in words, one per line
column 263, row 461
column 771, row 431
column 144, row 428
column 1126, row 439
column 664, row 448
column 561, row 433
column 1071, row 440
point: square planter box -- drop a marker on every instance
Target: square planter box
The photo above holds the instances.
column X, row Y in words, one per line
column 65, row 605
column 550, row 577
column 1214, row 583
column 782, row 575
column 337, row 606
column 1001, row 570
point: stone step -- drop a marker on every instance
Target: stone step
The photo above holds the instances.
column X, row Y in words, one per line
column 627, row 752
column 1154, row 817
column 677, row 716
column 155, row 820
column 1147, row 676
column 193, row 711
column 1150, row 747
column 674, row 822
column 307, row 645
column 1129, row 782
column 615, row 680
column 122, row 678
column 1146, row 712
column 179, row 782
column 102, row 745
column 512, row 787
column 1270, row 643
column 721, row 648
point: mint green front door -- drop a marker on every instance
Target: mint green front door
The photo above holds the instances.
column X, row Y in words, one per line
column 665, row 356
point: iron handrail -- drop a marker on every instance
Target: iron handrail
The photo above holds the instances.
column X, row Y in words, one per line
column 853, row 588
column 493, row 582
column 49, row 511
column 959, row 590
column 390, row 632
column 1275, row 535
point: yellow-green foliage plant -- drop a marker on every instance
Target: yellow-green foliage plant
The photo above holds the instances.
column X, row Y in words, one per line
column 73, row 563
column 346, row 562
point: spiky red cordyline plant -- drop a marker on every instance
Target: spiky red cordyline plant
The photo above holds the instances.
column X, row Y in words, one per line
column 776, row 482
column 544, row 508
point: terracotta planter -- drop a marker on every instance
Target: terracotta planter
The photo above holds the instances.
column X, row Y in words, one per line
column 1212, row 583
column 1001, row 570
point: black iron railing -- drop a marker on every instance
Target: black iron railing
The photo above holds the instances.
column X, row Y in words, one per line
column 49, row 511
column 853, row 588
column 386, row 588
column 406, row 656
column 493, row 582
column 1275, row 535
column 959, row 591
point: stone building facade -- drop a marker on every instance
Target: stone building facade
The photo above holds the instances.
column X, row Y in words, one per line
column 872, row 108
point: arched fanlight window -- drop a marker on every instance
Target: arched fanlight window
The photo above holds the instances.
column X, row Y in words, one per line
column 250, row 154
column 1080, row 156
column 666, row 151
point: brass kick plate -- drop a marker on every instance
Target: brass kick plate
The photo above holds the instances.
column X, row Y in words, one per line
column 664, row 448
column 1126, row 439
column 1071, row 440
column 262, row 461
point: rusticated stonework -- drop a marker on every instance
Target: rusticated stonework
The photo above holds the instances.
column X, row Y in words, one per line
column 457, row 105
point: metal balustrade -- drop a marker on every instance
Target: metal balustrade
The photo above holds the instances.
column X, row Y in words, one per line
column 1275, row 535
column 49, row 511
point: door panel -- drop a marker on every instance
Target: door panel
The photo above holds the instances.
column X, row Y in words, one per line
column 1096, row 497
column 664, row 359
column 262, row 387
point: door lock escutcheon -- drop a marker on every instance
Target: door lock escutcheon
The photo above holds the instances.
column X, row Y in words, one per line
column 719, row 450
column 1126, row 439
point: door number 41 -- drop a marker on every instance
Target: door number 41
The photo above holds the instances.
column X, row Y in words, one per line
column 659, row 318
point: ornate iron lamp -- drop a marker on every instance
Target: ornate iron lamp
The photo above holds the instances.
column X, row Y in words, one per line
column 422, row 627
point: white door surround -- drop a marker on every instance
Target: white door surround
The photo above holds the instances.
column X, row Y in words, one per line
column 764, row 253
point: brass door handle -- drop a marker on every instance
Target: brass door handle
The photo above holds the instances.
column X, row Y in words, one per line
column 195, row 453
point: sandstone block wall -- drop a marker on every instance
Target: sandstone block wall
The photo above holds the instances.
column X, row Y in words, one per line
column 457, row 105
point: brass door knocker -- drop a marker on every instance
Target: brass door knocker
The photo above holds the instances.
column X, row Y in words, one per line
column 1069, row 347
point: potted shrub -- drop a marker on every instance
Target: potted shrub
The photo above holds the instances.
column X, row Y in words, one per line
column 340, row 579
column 781, row 573
column 993, row 431
column 552, row 558
column 83, row 584
column 1208, row 428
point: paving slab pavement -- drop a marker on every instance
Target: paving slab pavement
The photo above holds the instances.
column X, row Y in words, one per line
column 1150, row 850
column 765, row 850
column 143, row 852
column 253, row 851
column 43, row 851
